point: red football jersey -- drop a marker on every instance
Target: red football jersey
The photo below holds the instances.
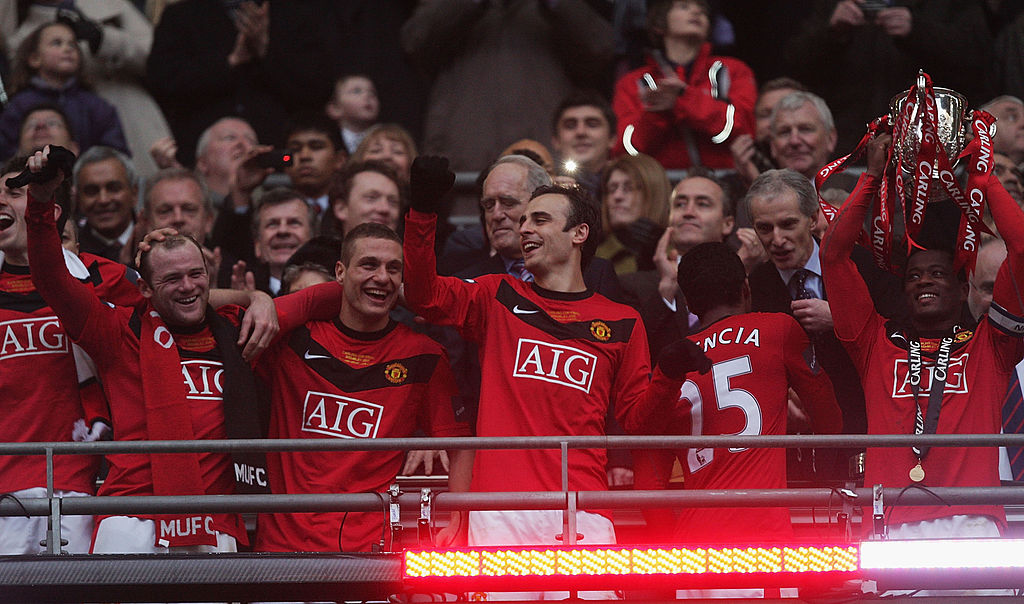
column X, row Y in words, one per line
column 550, row 362
column 38, row 377
column 980, row 364
column 329, row 381
column 979, row 370
column 111, row 337
column 756, row 358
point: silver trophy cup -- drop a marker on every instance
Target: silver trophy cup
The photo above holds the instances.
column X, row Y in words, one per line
column 952, row 128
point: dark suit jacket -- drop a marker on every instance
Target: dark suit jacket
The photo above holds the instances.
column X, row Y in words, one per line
column 663, row 325
column 90, row 242
column 770, row 294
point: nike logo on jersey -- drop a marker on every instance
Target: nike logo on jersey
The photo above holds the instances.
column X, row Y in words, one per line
column 310, row 357
column 564, row 325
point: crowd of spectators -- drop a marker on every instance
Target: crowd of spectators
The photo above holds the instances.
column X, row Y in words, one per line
column 270, row 132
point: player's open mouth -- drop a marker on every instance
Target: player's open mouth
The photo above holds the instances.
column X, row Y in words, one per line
column 187, row 301
column 6, row 220
column 926, row 296
column 377, row 294
column 529, row 246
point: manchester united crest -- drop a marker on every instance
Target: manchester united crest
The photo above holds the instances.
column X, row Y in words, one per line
column 396, row 373
column 600, row 330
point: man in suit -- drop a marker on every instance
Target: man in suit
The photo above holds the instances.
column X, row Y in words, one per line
column 783, row 208
column 106, row 187
column 701, row 210
column 506, row 190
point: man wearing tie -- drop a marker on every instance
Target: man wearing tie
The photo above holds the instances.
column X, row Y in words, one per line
column 783, row 207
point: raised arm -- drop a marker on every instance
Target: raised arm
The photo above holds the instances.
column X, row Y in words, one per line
column 320, row 302
column 440, row 300
column 71, row 300
column 1008, row 291
column 848, row 295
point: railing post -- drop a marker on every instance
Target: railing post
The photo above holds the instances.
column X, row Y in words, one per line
column 53, row 541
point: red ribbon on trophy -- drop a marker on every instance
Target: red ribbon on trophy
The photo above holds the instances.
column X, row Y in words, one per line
column 929, row 140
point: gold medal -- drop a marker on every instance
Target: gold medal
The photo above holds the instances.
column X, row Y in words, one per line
column 917, row 473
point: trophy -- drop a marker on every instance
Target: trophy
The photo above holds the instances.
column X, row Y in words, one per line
column 938, row 144
column 952, row 125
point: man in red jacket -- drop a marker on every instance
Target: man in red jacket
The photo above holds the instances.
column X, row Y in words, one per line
column 685, row 104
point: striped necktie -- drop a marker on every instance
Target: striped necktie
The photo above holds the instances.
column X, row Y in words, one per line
column 1013, row 423
column 518, row 269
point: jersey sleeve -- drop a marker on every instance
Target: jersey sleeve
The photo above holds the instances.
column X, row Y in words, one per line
column 813, row 388
column 320, row 302
column 94, row 402
column 438, row 418
column 849, row 299
column 643, row 400
column 1006, row 313
column 87, row 320
column 116, row 282
column 440, row 300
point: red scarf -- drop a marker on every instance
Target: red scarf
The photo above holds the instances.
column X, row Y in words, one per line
column 167, row 418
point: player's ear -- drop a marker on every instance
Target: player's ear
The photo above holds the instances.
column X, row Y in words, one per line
column 580, row 233
column 144, row 288
column 339, row 272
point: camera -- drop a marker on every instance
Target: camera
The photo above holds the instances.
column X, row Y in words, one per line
column 870, row 8
column 277, row 159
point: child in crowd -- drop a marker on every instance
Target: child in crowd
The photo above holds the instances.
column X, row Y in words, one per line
column 355, row 107
column 48, row 69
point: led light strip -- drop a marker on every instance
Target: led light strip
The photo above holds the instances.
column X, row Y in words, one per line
column 629, row 561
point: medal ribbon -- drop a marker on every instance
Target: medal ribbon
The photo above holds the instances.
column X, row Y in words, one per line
column 928, row 424
column 924, row 102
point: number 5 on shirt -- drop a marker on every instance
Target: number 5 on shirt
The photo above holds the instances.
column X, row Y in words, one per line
column 725, row 397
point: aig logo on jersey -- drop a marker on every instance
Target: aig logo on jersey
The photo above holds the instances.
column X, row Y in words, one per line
column 956, row 379
column 340, row 416
column 203, row 380
column 25, row 337
column 556, row 364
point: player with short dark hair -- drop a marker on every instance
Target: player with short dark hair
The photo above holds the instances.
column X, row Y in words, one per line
column 756, row 358
column 358, row 375
column 935, row 374
column 50, row 389
column 554, row 354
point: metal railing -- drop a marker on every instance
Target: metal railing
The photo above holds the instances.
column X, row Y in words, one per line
column 495, row 501
column 566, row 500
